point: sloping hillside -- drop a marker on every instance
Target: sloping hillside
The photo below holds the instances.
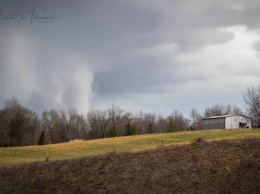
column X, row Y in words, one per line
column 80, row 148
column 227, row 166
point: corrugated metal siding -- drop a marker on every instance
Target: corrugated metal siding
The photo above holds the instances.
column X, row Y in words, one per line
column 232, row 122
column 226, row 122
column 216, row 123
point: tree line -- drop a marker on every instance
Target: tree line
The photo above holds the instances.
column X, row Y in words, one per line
column 20, row 126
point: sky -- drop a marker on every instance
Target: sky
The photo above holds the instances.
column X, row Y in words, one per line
column 152, row 55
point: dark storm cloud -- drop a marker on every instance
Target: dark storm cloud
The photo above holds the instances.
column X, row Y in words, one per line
column 131, row 52
column 144, row 76
column 193, row 26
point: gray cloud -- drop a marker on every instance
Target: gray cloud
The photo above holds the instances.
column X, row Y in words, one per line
column 256, row 46
column 150, row 55
column 55, row 79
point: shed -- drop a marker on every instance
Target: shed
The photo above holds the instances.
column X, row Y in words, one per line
column 227, row 122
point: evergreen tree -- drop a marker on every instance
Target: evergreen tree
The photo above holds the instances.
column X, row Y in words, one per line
column 133, row 130
column 171, row 127
column 150, row 128
column 42, row 138
column 130, row 129
column 112, row 132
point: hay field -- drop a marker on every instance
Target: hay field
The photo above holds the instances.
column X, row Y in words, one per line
column 80, row 148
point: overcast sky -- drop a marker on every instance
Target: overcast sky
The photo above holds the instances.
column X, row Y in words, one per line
column 152, row 55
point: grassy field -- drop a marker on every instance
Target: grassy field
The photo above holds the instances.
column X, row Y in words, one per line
column 80, row 148
column 225, row 166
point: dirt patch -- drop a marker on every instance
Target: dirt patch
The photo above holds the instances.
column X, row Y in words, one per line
column 230, row 166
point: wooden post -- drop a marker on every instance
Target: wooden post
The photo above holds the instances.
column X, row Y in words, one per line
column 47, row 157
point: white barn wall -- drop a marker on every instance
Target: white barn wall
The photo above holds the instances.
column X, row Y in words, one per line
column 232, row 122
column 226, row 122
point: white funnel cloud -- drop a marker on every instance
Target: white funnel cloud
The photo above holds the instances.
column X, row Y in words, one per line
column 51, row 78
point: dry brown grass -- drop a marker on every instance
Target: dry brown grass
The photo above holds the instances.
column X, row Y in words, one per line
column 80, row 148
column 227, row 166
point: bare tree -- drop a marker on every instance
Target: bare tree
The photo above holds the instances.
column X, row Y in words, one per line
column 161, row 124
column 176, row 118
column 196, row 120
column 138, row 122
column 51, row 124
column 64, row 126
column 149, row 121
column 126, row 118
column 19, row 125
column 99, row 123
column 77, row 125
column 252, row 100
column 115, row 114
column 220, row 109
column 4, row 129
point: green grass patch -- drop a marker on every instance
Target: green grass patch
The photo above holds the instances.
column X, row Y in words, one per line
column 80, row 148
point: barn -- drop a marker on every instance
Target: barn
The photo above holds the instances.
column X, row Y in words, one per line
column 227, row 122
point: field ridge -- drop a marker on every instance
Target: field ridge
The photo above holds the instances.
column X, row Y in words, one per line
column 80, row 148
column 226, row 166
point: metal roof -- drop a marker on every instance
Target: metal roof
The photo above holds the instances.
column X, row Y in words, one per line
column 224, row 116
